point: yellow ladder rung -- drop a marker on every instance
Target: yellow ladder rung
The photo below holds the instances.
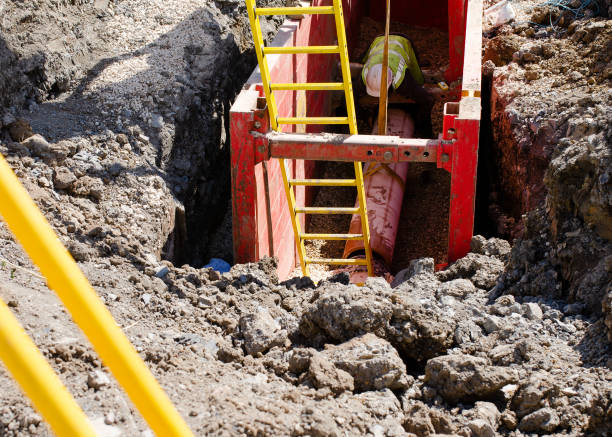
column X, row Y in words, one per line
column 312, row 120
column 302, row 49
column 324, row 182
column 323, row 210
column 322, row 86
column 295, row 10
column 331, row 236
column 337, row 261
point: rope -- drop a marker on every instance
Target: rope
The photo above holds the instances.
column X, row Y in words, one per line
column 578, row 12
column 382, row 166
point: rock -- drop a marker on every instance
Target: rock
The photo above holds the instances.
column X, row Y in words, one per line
column 37, row 144
column 532, row 311
column 325, row 374
column 161, row 271
column 508, row 419
column 416, row 266
column 532, row 75
column 88, row 186
column 63, row 178
column 491, row 247
column 260, row 331
column 80, row 251
column 422, row 420
column 575, row 76
column 509, row 391
column 488, row 412
column 408, row 316
column 97, row 379
column 506, row 300
column 531, row 392
column 492, row 324
column 377, row 283
column 459, row 288
column 481, row 428
column 371, row 361
column 500, row 49
column 122, row 139
column 542, row 420
column 109, row 418
column 467, row 331
column 460, row 376
column 343, row 313
column 146, row 298
column 20, row 130
column 482, row 270
column 299, row 360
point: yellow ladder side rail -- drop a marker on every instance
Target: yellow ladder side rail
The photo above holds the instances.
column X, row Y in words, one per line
column 350, row 108
column 37, row 237
column 294, row 220
column 258, row 41
column 344, row 63
column 38, row 380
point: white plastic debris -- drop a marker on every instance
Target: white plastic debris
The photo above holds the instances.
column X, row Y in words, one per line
column 498, row 14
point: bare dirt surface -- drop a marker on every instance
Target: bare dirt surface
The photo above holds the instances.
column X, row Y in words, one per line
column 114, row 116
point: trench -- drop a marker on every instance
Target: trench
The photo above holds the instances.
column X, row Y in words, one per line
column 423, row 225
column 203, row 216
column 202, row 219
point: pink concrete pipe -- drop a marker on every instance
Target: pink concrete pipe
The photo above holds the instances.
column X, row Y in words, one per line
column 384, row 195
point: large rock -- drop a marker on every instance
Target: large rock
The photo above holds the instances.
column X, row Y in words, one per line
column 416, row 266
column 542, row 420
column 423, row 420
column 482, row 270
column 260, row 331
column 409, row 317
column 343, row 313
column 63, row 178
column 372, row 362
column 422, row 327
column 465, row 377
column 324, row 374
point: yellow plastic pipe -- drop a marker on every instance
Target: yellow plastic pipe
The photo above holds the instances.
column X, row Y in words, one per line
column 38, row 380
column 63, row 276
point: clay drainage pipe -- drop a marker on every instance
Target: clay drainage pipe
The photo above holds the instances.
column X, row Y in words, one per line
column 384, row 189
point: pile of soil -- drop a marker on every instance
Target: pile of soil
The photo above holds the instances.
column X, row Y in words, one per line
column 511, row 339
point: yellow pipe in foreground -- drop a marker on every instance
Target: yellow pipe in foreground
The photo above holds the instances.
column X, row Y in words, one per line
column 38, row 380
column 89, row 313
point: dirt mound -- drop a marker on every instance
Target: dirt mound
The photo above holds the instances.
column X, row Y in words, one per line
column 114, row 116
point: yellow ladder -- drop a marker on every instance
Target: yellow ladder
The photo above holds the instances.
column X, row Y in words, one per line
column 262, row 51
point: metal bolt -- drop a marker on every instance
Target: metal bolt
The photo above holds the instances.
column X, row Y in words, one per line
column 387, row 155
column 445, row 157
column 257, row 125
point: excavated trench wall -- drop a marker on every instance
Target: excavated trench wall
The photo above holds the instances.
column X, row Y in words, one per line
column 550, row 143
